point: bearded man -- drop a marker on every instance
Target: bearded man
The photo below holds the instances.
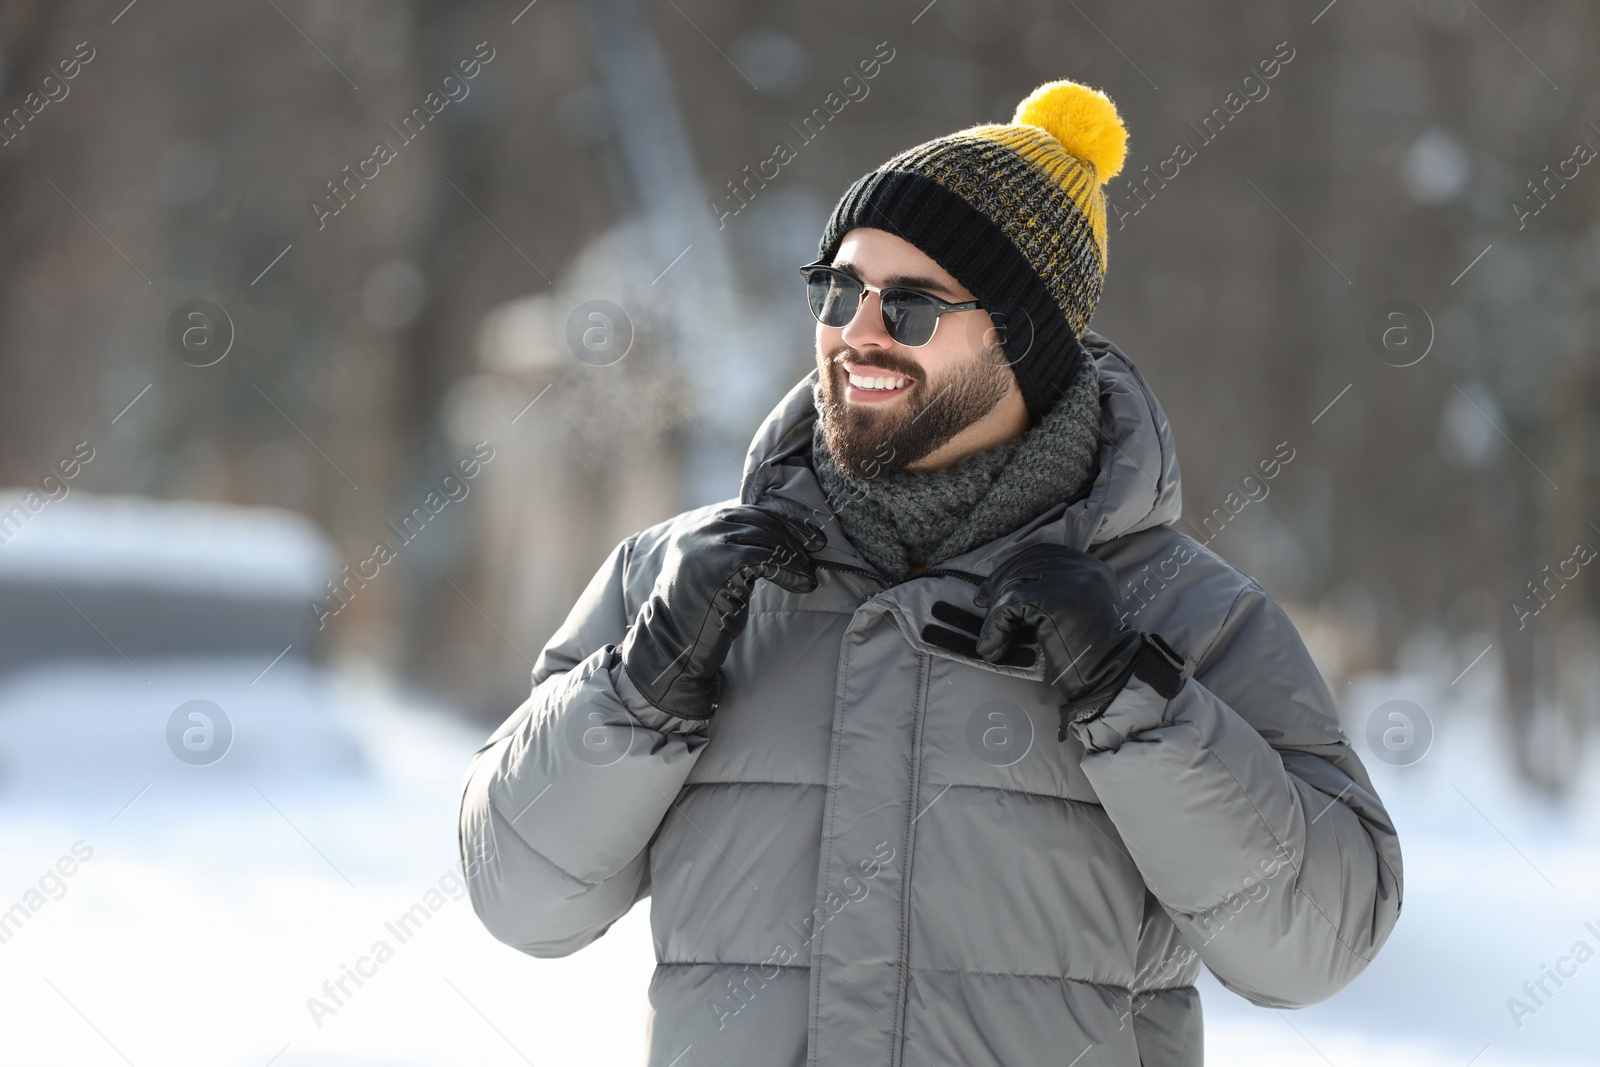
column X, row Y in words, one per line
column 940, row 745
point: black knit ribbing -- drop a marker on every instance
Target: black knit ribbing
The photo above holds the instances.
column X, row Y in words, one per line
column 1037, row 340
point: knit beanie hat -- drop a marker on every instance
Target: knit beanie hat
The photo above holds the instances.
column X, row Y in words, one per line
column 1015, row 213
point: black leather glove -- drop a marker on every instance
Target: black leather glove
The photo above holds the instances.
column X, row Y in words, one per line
column 1069, row 599
column 673, row 652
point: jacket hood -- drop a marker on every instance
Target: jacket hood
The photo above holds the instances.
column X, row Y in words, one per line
column 1136, row 486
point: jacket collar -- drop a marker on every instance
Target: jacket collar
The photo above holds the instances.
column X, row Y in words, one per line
column 1137, row 486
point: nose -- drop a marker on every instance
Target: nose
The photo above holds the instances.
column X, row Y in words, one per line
column 866, row 330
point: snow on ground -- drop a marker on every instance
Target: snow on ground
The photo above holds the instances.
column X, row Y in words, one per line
column 206, row 905
column 210, row 909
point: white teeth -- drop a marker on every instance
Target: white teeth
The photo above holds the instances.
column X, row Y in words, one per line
column 863, row 382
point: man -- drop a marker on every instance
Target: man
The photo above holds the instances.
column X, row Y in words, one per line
column 940, row 745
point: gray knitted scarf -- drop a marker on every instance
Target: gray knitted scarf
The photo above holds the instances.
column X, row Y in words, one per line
column 909, row 519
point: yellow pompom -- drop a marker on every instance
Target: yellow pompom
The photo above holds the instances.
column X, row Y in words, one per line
column 1084, row 120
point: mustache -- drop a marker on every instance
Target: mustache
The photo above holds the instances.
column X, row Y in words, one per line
column 893, row 363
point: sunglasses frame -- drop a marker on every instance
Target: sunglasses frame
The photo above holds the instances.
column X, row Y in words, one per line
column 941, row 307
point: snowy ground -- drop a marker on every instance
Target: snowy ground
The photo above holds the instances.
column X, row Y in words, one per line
column 207, row 904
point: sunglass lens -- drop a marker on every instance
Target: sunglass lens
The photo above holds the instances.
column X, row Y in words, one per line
column 910, row 319
column 834, row 299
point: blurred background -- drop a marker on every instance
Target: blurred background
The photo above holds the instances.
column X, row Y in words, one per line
column 340, row 342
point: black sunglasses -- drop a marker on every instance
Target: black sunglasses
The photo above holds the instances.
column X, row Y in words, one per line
column 909, row 315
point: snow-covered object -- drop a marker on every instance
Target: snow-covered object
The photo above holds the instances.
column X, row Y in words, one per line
column 130, row 578
column 129, row 540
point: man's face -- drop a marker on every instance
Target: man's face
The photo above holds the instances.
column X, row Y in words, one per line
column 950, row 397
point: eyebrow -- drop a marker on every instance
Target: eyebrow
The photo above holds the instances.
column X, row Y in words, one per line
column 912, row 281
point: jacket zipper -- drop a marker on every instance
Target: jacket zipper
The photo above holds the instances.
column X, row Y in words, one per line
column 897, row 1054
column 975, row 579
column 851, row 568
column 903, row 976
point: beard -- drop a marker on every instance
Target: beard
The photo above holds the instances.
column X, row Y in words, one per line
column 870, row 439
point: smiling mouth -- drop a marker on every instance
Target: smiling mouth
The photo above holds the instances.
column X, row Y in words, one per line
column 874, row 382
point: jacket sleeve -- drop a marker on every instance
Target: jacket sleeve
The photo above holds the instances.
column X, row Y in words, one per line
column 1249, row 815
column 561, row 803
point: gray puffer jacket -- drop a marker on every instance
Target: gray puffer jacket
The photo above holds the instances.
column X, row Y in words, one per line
column 878, row 852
